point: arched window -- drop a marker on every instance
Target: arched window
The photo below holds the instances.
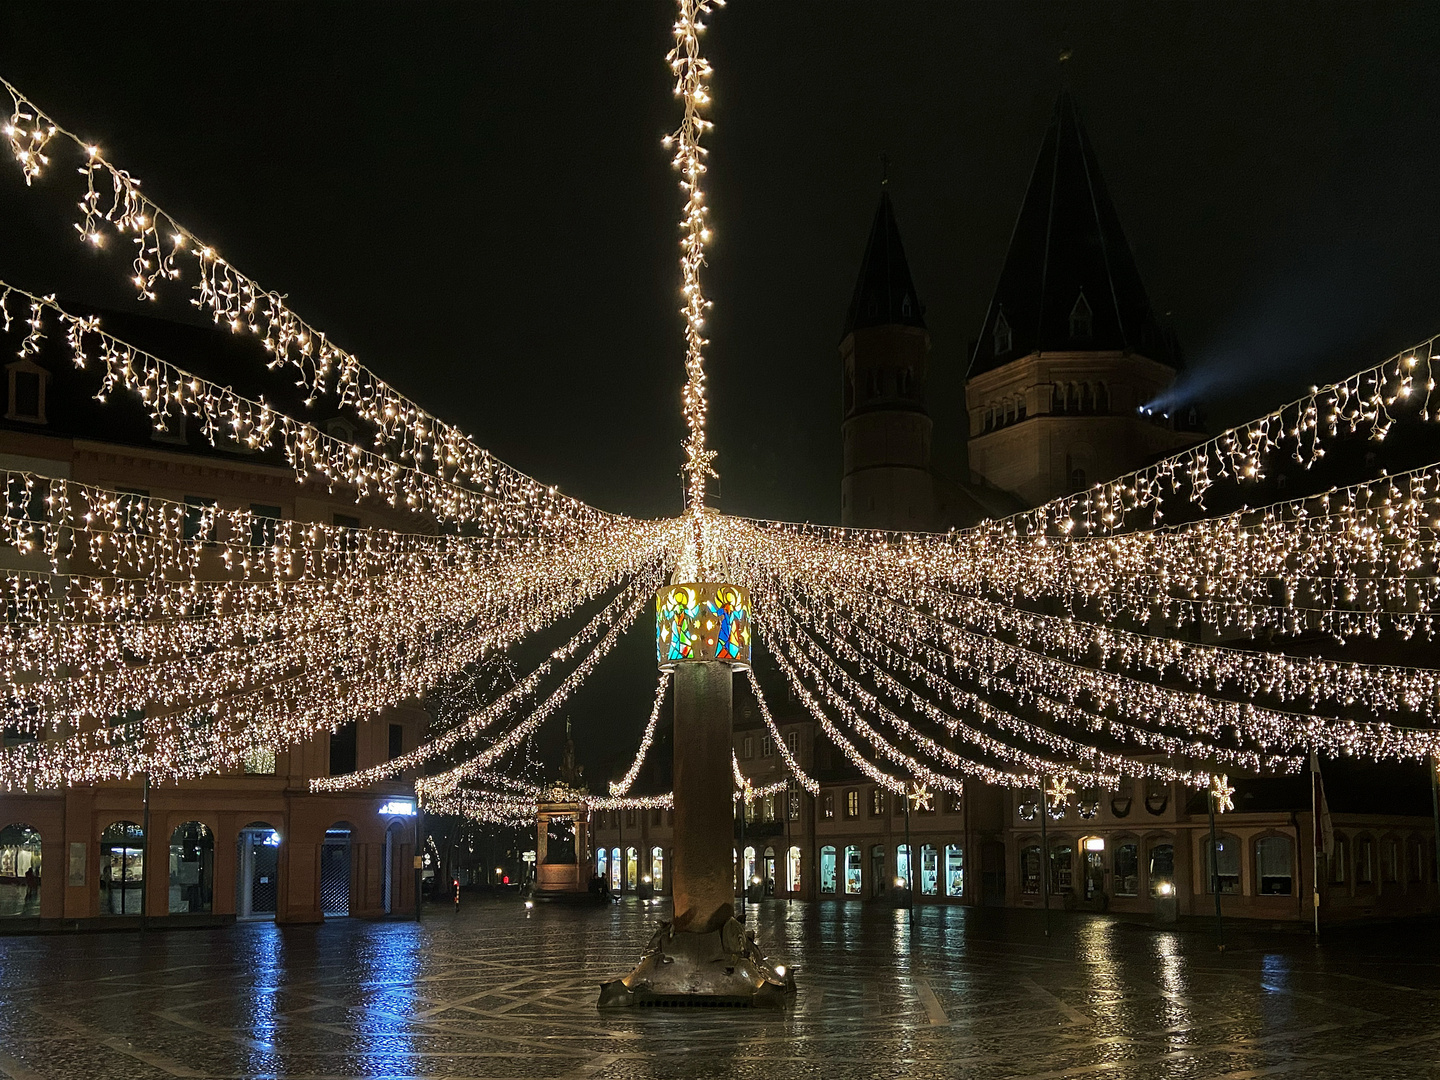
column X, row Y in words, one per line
column 616, row 870
column 602, row 863
column 1415, row 863
column 19, row 870
column 852, row 871
column 792, row 870
column 1273, row 868
column 748, row 869
column 1127, row 869
column 1003, row 338
column 192, row 868
column 903, row 869
column 1123, row 798
column 657, row 868
column 1030, row 869
column 1062, row 868
column 767, row 871
column 827, row 870
column 1102, row 398
column 954, row 870
column 632, row 868
column 1390, row 860
column 1089, row 802
column 1029, row 804
column 1364, row 861
column 1157, row 795
column 1077, row 479
column 1081, row 319
column 1162, row 867
column 1339, row 860
column 1222, row 864
column 929, row 870
column 122, row 868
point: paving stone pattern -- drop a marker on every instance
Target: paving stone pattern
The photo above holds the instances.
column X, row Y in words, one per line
column 493, row 992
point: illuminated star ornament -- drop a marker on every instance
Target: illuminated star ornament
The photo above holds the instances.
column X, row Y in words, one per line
column 1222, row 793
column 921, row 798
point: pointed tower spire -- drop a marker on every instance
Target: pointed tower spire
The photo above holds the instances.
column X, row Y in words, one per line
column 1068, row 254
column 884, row 292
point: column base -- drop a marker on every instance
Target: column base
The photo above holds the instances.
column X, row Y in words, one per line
column 723, row 969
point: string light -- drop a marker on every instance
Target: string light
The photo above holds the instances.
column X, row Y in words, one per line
column 628, row 780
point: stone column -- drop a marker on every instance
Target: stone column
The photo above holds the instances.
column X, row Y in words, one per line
column 703, row 885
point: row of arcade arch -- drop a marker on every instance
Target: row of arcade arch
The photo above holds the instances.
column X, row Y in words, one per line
column 191, row 870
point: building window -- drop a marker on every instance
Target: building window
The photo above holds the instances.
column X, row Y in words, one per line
column 1003, row 337
column 767, row 746
column 630, row 817
column 1162, row 867
column 122, row 868
column 952, row 802
column 747, row 745
column 929, row 870
column 792, row 870
column 258, row 761
column 1365, row 861
column 852, row 869
column 1416, row 862
column 342, row 750
column 1030, row 869
column 657, row 868
column 1029, row 804
column 1338, row 860
column 1390, row 863
column 1062, row 869
column 1127, row 870
column 827, row 870
column 1222, row 865
column 192, row 868
column 1124, row 797
column 1272, row 865
column 264, row 525
column 954, row 870
column 877, row 802
column 199, row 523
column 1081, row 319
column 28, row 382
column 852, row 803
column 1157, row 796
column 397, row 741
column 20, row 851
column 792, row 743
column 827, row 806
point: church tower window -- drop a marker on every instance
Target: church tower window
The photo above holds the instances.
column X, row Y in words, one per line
column 1003, row 337
column 1082, row 322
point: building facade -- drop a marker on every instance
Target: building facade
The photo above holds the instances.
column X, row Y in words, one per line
column 252, row 843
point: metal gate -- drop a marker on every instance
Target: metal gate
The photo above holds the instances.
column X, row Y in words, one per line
column 335, row 872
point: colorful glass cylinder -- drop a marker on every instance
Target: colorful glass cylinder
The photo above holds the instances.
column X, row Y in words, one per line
column 704, row 622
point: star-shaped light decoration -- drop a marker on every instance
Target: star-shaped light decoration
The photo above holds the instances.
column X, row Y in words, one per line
column 920, row 798
column 1222, row 792
column 1058, row 791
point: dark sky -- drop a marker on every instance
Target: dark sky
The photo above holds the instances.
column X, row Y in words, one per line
column 474, row 198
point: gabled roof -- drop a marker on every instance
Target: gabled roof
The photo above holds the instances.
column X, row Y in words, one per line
column 884, row 293
column 1068, row 244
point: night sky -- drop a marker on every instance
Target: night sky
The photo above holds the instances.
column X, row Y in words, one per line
column 474, row 199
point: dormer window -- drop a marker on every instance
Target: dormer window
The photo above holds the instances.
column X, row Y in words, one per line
column 28, row 382
column 1082, row 322
column 1003, row 338
column 905, row 308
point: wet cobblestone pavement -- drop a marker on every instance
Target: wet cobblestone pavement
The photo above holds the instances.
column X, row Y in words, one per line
column 493, row 993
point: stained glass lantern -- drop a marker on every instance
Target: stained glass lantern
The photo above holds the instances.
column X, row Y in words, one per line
column 702, row 623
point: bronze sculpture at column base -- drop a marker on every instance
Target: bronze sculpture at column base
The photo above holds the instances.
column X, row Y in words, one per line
column 724, row 968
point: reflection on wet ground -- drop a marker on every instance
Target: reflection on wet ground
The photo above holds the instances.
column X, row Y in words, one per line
column 496, row 992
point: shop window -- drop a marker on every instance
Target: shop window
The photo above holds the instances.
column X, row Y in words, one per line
column 632, row 868
column 615, row 870
column 827, row 870
column 902, row 866
column 792, row 870
column 122, row 868
column 192, row 868
column 602, row 864
column 1222, row 864
column 1062, row 869
column 929, row 871
column 1127, row 870
column 20, row 870
column 852, row 871
column 1162, row 867
column 1273, row 865
column 954, row 870
column 747, row 870
column 657, row 868
column 1030, row 870
column 1339, row 860
column 852, row 803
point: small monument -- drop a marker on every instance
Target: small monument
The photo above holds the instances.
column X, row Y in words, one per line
column 703, row 956
column 562, row 834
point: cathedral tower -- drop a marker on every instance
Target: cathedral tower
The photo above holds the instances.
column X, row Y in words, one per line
column 884, row 351
column 1070, row 350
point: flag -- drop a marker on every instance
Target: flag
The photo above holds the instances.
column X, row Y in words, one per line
column 1320, row 811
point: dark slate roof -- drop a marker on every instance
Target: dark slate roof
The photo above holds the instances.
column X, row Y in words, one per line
column 884, row 294
column 1068, row 241
column 1351, row 787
